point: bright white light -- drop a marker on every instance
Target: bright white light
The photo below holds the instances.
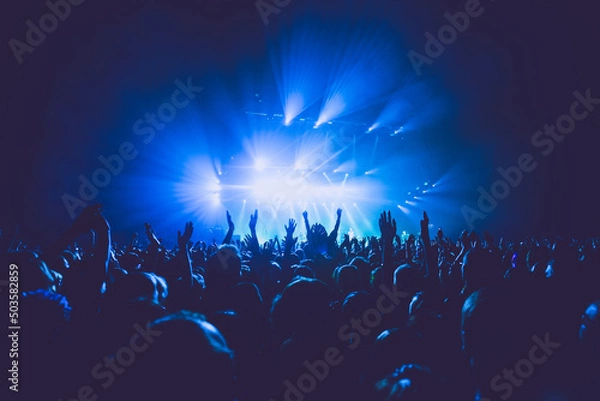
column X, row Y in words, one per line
column 260, row 164
column 301, row 164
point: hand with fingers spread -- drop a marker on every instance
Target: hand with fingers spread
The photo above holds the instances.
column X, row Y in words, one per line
column 290, row 228
column 387, row 226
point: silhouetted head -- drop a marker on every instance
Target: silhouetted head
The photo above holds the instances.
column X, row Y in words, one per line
column 302, row 307
column 186, row 358
column 224, row 267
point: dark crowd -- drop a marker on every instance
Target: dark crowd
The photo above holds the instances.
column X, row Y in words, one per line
column 329, row 318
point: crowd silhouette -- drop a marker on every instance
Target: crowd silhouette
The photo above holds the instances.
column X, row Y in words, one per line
column 328, row 318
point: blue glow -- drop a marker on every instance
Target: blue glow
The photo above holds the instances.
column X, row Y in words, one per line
column 313, row 135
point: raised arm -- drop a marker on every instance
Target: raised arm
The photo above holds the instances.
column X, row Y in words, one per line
column 290, row 240
column 231, row 227
column 387, row 226
column 334, row 234
column 306, row 225
column 253, row 243
column 183, row 257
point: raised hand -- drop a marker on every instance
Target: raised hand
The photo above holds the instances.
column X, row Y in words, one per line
column 253, row 220
column 305, row 215
column 230, row 229
column 339, row 213
column 387, row 226
column 425, row 222
column 230, row 224
column 290, row 228
column 184, row 239
column 290, row 240
column 425, row 230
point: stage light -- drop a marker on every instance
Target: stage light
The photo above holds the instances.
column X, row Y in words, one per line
column 260, row 164
column 301, row 164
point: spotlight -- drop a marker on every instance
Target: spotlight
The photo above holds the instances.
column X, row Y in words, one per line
column 260, row 164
